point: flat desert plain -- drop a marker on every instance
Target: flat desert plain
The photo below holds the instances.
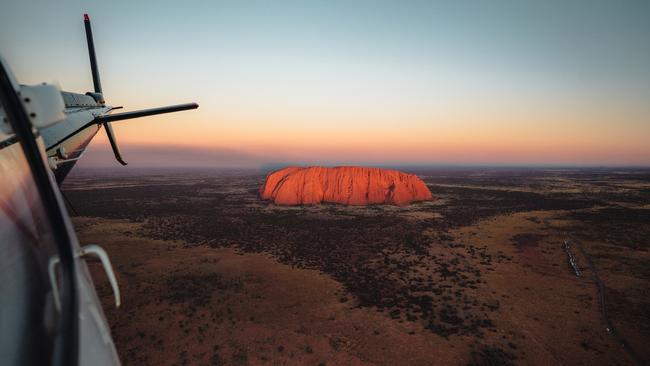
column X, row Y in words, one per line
column 507, row 266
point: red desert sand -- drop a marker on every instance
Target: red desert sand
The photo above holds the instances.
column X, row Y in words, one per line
column 344, row 185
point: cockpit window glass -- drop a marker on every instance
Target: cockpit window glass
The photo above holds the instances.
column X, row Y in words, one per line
column 28, row 262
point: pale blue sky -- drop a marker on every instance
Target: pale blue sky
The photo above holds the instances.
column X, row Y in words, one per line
column 424, row 66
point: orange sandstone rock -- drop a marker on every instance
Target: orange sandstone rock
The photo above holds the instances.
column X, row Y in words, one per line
column 344, row 185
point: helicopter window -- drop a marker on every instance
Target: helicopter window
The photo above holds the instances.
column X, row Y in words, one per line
column 27, row 247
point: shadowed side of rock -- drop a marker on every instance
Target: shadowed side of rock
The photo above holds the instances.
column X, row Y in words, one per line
column 343, row 185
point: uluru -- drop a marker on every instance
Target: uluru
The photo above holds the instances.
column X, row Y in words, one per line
column 345, row 185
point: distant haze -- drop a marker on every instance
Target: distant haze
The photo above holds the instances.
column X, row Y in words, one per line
column 363, row 82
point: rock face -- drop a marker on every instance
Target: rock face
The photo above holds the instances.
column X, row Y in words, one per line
column 344, row 185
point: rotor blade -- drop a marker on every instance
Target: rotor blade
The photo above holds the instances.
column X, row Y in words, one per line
column 91, row 53
column 145, row 112
column 111, row 139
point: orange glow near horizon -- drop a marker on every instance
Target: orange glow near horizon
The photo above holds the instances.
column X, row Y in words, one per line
column 484, row 142
column 473, row 136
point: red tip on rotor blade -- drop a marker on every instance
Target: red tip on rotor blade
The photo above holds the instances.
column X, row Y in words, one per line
column 86, row 17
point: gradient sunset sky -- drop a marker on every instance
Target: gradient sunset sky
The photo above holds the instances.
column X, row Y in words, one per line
column 361, row 82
